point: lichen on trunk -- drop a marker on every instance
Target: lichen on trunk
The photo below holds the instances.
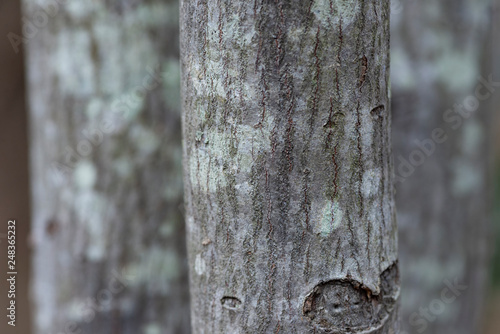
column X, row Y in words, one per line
column 288, row 168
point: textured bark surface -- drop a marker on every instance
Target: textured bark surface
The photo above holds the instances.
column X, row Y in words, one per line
column 108, row 235
column 439, row 48
column 288, row 180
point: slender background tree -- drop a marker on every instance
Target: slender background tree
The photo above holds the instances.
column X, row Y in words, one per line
column 288, row 172
column 108, row 235
column 442, row 142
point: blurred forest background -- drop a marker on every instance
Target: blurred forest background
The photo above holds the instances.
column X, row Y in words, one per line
column 15, row 181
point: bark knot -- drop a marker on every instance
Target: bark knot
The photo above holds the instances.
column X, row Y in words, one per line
column 347, row 306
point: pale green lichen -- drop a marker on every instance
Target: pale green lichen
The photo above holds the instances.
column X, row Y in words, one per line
column 199, row 167
column 371, row 182
column 219, row 146
column 234, row 35
column 111, row 75
column 258, row 141
column 200, row 265
column 152, row 328
column 85, row 175
column 402, row 71
column 467, row 178
column 76, row 310
column 123, row 167
column 94, row 109
column 80, row 10
column 156, row 13
column 331, row 218
column 128, row 106
column 75, row 67
column 342, row 9
column 90, row 208
column 144, row 139
column 457, row 69
column 472, row 138
column 157, row 268
column 170, row 267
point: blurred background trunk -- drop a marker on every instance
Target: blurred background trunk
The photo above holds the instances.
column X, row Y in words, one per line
column 14, row 187
column 108, row 232
column 439, row 48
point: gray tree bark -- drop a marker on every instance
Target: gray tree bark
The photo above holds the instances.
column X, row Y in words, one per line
column 288, row 171
column 107, row 231
column 442, row 160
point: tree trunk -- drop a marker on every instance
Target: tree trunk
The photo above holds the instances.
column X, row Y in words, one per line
column 106, row 164
column 442, row 153
column 288, row 171
column 14, row 181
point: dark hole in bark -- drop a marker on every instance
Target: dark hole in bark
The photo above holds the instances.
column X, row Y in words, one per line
column 378, row 112
column 231, row 303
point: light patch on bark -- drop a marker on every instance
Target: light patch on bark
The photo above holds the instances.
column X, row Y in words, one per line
column 332, row 218
column 85, row 175
column 371, row 182
column 333, row 12
column 200, row 265
column 466, row 177
column 73, row 51
column 153, row 329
